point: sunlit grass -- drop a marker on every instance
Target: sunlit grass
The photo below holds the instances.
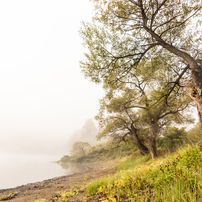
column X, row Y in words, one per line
column 130, row 163
column 177, row 177
column 168, row 178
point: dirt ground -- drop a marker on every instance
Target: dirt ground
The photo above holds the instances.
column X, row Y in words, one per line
column 47, row 189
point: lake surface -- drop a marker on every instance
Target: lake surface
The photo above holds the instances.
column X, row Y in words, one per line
column 16, row 170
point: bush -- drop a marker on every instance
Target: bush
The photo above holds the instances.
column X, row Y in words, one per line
column 173, row 138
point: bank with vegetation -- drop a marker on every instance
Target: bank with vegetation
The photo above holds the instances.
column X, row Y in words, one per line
column 175, row 175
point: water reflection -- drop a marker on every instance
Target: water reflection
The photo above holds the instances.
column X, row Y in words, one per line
column 75, row 167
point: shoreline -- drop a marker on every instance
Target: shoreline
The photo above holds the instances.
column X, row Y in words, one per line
column 46, row 189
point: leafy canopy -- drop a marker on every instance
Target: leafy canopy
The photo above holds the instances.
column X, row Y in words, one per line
column 124, row 33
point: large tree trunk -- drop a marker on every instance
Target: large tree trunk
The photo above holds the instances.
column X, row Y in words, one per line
column 151, row 140
column 152, row 146
column 195, row 92
column 142, row 148
column 193, row 87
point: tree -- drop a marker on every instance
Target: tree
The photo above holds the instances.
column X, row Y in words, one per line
column 79, row 148
column 125, row 32
column 120, row 123
column 135, row 106
column 89, row 132
column 86, row 134
column 173, row 138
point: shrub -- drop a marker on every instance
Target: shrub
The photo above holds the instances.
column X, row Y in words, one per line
column 173, row 138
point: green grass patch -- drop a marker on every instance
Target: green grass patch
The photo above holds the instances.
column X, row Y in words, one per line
column 177, row 177
column 131, row 162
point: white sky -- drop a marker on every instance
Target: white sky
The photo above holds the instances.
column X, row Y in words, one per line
column 43, row 94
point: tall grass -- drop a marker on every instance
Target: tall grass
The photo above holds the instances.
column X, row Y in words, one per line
column 177, row 177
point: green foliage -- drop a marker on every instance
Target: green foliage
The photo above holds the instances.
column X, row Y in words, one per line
column 175, row 178
column 93, row 187
column 113, row 151
column 173, row 138
column 102, row 152
column 138, row 107
column 125, row 33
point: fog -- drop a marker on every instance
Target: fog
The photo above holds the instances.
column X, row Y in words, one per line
column 44, row 95
column 34, row 145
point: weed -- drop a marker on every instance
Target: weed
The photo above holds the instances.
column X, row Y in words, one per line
column 8, row 197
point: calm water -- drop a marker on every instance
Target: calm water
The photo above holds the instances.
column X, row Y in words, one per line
column 16, row 170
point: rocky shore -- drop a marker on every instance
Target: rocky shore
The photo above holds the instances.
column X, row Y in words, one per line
column 48, row 189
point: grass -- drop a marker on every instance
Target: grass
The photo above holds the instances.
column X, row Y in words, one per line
column 169, row 178
column 131, row 162
column 176, row 177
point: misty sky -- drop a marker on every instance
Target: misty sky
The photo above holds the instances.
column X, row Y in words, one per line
column 44, row 96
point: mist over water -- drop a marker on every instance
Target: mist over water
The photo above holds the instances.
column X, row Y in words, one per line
column 19, row 169
column 41, row 87
column 27, row 159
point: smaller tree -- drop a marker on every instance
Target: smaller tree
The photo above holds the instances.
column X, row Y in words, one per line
column 120, row 123
column 138, row 103
column 79, row 148
column 86, row 134
column 89, row 132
